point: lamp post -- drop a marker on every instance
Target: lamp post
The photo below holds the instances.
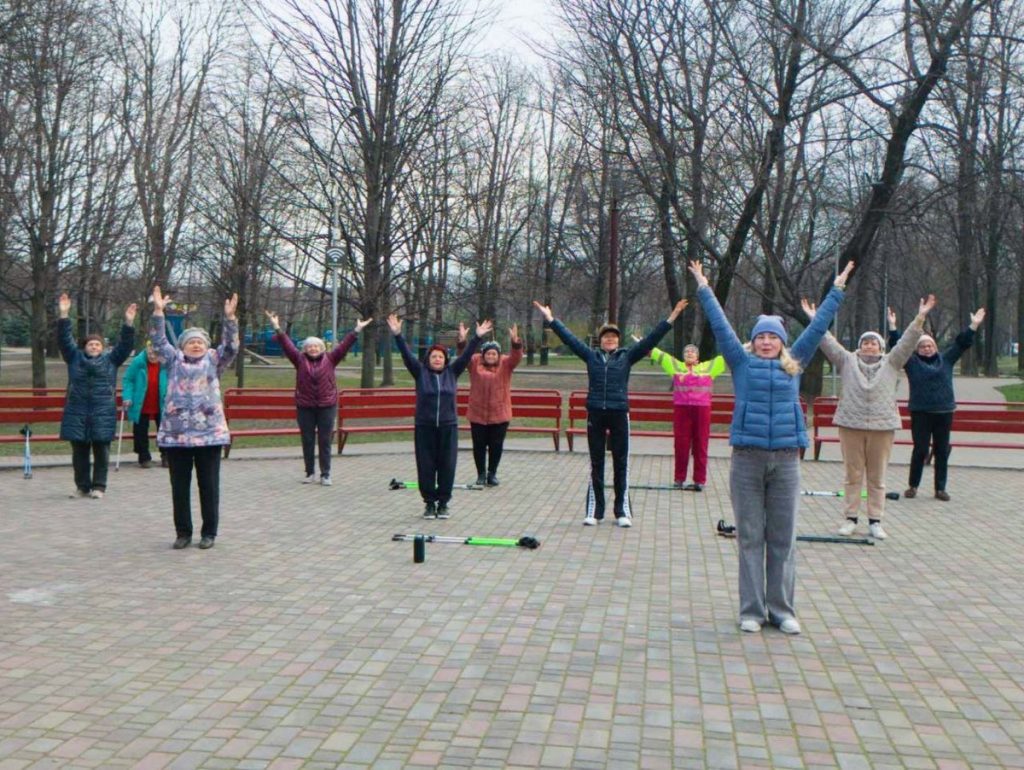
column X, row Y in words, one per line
column 334, row 257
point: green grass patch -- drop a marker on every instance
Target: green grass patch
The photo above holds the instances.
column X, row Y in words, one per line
column 1013, row 391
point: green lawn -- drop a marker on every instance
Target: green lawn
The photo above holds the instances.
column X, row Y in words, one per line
column 1013, row 392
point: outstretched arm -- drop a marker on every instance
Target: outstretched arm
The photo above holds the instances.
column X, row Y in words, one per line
column 907, row 343
column 228, row 348
column 575, row 344
column 458, row 366
column 415, row 367
column 964, row 339
column 810, row 338
column 726, row 337
column 339, row 351
column 642, row 348
column 165, row 351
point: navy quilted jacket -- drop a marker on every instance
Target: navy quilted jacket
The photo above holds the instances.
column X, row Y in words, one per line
column 90, row 411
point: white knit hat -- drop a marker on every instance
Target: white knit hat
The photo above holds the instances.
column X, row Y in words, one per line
column 872, row 336
column 190, row 334
column 313, row 341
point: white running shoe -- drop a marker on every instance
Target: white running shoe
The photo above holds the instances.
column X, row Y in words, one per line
column 78, row 493
column 847, row 528
column 790, row 626
column 876, row 531
column 325, row 481
column 96, row 494
column 624, row 521
column 749, row 626
column 310, row 479
column 590, row 521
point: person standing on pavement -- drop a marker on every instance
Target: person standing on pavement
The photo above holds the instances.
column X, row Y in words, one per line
column 436, row 436
column 766, row 436
column 490, row 401
column 193, row 429
column 316, row 393
column 932, row 401
column 867, row 415
column 692, row 385
column 143, row 390
column 608, row 370
column 90, row 407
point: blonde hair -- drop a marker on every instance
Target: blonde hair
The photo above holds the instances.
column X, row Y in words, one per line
column 786, row 360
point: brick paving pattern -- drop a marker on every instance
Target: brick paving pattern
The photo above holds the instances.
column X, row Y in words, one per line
column 307, row 639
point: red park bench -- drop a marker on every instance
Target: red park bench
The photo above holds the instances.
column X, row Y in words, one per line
column 245, row 407
column 34, row 407
column 391, row 410
column 653, row 407
column 970, row 417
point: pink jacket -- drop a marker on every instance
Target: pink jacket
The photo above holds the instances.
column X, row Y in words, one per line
column 690, row 388
column 490, row 388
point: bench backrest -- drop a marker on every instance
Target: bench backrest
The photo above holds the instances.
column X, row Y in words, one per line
column 646, row 406
column 31, row 405
column 399, row 403
column 970, row 416
column 259, row 404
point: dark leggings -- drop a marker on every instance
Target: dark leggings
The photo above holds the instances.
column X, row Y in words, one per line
column 488, row 441
column 316, row 423
column 90, row 475
column 930, row 428
column 206, row 460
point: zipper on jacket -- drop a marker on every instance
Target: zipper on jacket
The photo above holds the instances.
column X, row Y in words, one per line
column 437, row 377
column 605, row 381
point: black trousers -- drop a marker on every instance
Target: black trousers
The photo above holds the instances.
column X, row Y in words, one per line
column 614, row 425
column 930, row 428
column 206, row 460
column 316, row 424
column 437, row 449
column 90, row 459
column 488, row 442
column 140, row 437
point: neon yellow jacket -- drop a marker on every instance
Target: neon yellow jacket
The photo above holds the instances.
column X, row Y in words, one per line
column 690, row 388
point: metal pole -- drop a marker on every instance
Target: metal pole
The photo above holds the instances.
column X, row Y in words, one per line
column 613, row 262
column 835, row 384
column 334, row 257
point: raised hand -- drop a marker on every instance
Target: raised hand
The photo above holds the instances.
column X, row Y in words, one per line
column 679, row 308
column 484, row 327
column 463, row 332
column 129, row 314
column 395, row 324
column 273, row 320
column 513, row 334
column 544, row 311
column 697, row 269
column 230, row 306
column 810, row 309
column 977, row 317
column 844, row 276
column 360, row 325
column 927, row 303
column 891, row 317
column 64, row 304
column 159, row 301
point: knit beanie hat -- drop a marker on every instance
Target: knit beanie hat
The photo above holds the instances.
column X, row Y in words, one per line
column 191, row 334
column 490, row 345
column 90, row 337
column 609, row 329
column 312, row 341
column 924, row 338
column 769, row 324
column 872, row 336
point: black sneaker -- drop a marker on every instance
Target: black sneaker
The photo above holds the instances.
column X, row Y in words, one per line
column 429, row 511
column 206, row 542
column 182, row 542
column 492, row 480
column 442, row 511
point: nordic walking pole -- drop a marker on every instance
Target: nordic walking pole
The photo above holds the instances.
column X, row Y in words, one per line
column 120, row 439
column 27, row 433
column 729, row 530
column 526, row 541
column 396, row 484
column 840, row 493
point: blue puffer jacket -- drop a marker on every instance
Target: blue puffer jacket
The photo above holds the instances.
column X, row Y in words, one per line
column 608, row 373
column 767, row 414
column 435, row 391
column 90, row 412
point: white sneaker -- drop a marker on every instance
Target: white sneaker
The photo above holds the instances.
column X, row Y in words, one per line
column 78, row 493
column 624, row 521
column 590, row 521
column 749, row 626
column 96, row 494
column 876, row 531
column 325, row 481
column 310, row 479
column 847, row 528
column 790, row 626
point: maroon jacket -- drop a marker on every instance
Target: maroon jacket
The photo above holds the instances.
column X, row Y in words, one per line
column 315, row 385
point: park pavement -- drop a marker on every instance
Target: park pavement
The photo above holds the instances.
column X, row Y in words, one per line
column 308, row 639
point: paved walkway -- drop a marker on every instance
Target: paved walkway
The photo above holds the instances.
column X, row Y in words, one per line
column 307, row 639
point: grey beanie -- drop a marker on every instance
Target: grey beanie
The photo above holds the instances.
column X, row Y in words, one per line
column 192, row 333
column 872, row 336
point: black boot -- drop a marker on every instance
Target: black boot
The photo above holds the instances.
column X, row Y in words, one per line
column 481, row 480
column 492, row 480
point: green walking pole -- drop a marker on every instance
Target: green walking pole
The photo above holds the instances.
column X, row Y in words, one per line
column 396, row 484
column 841, row 493
column 526, row 541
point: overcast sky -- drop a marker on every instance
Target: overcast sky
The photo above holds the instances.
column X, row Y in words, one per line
column 518, row 21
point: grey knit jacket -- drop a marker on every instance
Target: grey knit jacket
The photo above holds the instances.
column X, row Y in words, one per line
column 868, row 400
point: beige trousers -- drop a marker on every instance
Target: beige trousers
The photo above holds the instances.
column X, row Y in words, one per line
column 865, row 454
